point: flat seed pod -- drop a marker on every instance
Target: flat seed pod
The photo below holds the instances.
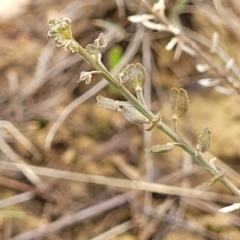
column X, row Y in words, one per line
column 166, row 148
column 179, row 103
column 107, row 103
column 133, row 115
column 204, row 140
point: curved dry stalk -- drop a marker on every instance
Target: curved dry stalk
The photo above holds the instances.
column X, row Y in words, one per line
column 147, row 135
column 121, row 8
column 115, row 231
column 74, row 104
column 18, row 198
column 74, row 218
column 26, row 170
column 128, row 184
column 21, row 138
column 37, row 80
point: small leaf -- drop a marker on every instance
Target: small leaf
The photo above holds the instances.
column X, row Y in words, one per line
column 179, row 103
column 204, row 140
column 133, row 115
column 166, row 148
column 107, row 103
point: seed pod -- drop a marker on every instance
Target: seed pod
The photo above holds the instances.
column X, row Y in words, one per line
column 204, row 140
column 107, row 103
column 166, row 148
column 133, row 115
column 179, row 103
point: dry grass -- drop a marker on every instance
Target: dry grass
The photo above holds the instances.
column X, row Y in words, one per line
column 70, row 170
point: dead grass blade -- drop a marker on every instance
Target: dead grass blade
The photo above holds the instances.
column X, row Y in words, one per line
column 128, row 184
column 74, row 218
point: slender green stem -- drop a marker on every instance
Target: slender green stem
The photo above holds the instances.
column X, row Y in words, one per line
column 139, row 94
column 161, row 125
column 115, row 82
column 174, row 125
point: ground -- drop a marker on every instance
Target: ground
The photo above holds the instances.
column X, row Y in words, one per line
column 79, row 163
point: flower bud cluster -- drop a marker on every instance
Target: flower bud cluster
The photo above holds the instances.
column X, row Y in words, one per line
column 60, row 30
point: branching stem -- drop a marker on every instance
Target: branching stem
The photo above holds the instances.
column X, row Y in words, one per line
column 161, row 125
column 60, row 30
